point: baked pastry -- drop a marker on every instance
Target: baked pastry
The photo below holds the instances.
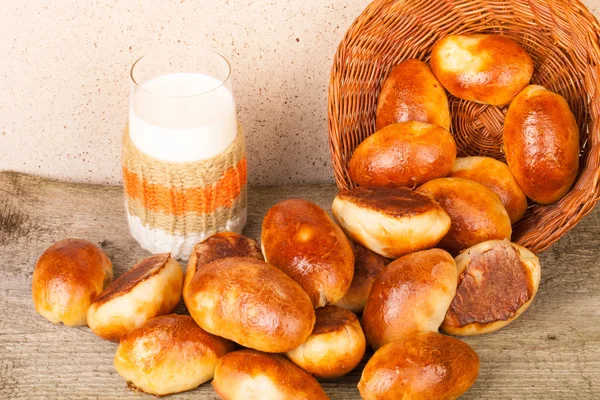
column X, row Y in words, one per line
column 422, row 366
column 217, row 246
column 391, row 222
column 487, row 69
column 476, row 212
column 252, row 303
column 410, row 295
column 412, row 93
column 252, row 375
column 152, row 287
column 335, row 346
column 406, row 154
column 169, row 354
column 541, row 143
column 497, row 281
column 67, row 278
column 497, row 176
column 299, row 238
column 367, row 266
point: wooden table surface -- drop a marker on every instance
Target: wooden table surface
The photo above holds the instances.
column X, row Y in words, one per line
column 551, row 352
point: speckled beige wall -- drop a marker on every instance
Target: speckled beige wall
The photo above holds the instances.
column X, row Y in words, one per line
column 64, row 78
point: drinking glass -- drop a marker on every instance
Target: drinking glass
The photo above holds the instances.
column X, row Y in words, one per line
column 183, row 159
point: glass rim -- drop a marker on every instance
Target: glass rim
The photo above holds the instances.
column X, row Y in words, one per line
column 219, row 55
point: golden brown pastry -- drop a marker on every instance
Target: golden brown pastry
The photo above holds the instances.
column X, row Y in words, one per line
column 488, row 69
column 410, row 295
column 169, row 354
column 412, row 93
column 541, row 142
column 152, row 287
column 497, row 176
column 391, row 222
column 476, row 212
column 67, row 278
column 217, row 246
column 335, row 346
column 252, row 375
column 299, row 238
column 367, row 266
column 420, row 367
column 406, row 154
column 497, row 281
column 252, row 303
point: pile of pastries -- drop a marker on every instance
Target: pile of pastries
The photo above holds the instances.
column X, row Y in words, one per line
column 422, row 244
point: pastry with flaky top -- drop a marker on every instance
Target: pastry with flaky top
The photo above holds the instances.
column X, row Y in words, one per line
column 419, row 367
column 410, row 295
column 367, row 265
column 299, row 238
column 67, row 278
column 150, row 288
column 391, row 222
column 252, row 375
column 497, row 281
column 406, row 154
column 412, row 93
column 217, row 246
column 335, row 346
column 252, row 303
column 169, row 354
column 476, row 212
column 488, row 69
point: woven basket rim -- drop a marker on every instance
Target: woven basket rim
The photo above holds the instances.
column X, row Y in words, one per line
column 534, row 231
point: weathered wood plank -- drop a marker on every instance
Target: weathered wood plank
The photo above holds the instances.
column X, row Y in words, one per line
column 553, row 351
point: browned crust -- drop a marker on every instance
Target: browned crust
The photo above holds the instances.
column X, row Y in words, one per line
column 395, row 202
column 400, row 289
column 367, row 264
column 497, row 176
column 71, row 272
column 247, row 364
column 300, row 238
column 332, row 318
column 541, row 142
column 249, row 307
column 405, row 154
column 421, row 366
column 408, row 94
column 507, row 71
column 493, row 287
column 174, row 331
column 224, row 245
column 476, row 212
column 75, row 261
column 143, row 270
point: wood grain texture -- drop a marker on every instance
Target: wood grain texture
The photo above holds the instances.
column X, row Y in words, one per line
column 551, row 352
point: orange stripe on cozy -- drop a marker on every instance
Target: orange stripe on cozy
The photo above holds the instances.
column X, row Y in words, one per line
column 179, row 201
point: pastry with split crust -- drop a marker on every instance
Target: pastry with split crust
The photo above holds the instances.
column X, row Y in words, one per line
column 152, row 287
column 391, row 222
column 497, row 281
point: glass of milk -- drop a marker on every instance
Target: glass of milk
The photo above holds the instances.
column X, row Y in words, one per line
column 182, row 130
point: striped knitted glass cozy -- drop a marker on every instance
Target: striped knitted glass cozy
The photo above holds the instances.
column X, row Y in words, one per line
column 171, row 206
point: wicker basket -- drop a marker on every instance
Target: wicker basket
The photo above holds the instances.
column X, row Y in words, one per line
column 561, row 36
